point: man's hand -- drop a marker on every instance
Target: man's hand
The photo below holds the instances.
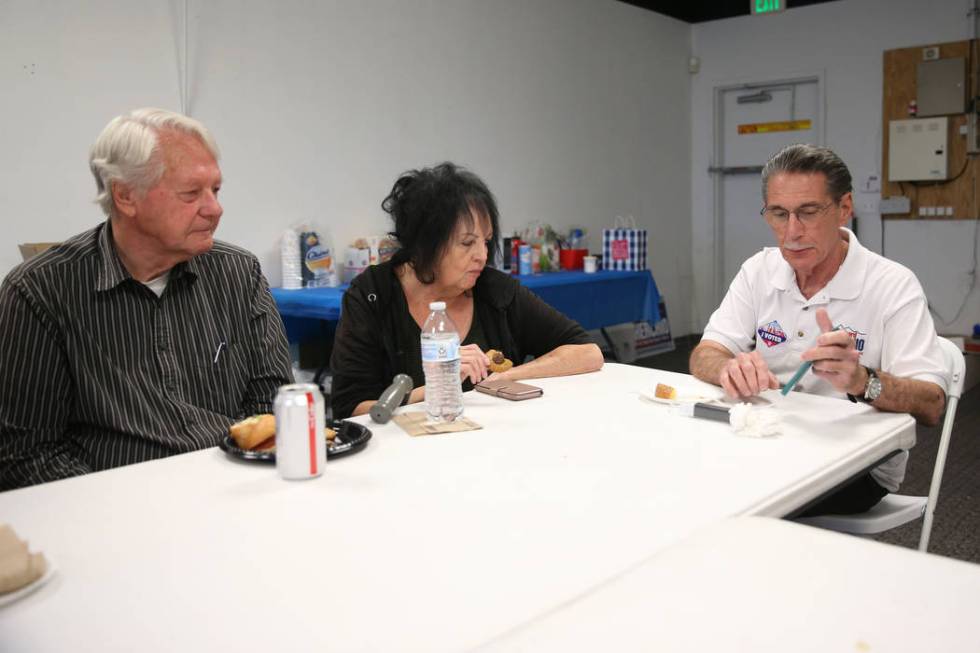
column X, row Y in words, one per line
column 473, row 363
column 746, row 375
column 835, row 359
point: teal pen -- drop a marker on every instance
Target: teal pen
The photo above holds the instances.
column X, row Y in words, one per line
column 804, row 368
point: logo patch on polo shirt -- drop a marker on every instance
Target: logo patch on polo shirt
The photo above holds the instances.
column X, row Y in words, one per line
column 772, row 334
column 858, row 337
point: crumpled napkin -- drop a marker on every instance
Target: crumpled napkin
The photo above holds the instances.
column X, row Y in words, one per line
column 18, row 566
column 755, row 422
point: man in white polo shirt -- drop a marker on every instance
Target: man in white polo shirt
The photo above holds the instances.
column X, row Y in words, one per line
column 821, row 296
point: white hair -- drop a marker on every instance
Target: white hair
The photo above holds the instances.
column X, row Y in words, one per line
column 127, row 150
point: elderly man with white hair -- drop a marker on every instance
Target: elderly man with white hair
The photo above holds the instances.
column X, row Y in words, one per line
column 143, row 337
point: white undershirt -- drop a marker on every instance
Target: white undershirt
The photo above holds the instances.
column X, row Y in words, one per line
column 159, row 284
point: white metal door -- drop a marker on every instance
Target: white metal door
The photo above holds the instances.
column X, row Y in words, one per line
column 740, row 155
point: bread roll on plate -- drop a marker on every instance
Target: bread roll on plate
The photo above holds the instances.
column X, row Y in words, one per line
column 253, row 431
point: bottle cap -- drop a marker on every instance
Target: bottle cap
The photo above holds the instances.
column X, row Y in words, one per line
column 437, row 306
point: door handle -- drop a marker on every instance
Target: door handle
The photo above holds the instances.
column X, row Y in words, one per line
column 735, row 170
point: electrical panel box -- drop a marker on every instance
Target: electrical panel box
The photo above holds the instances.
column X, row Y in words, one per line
column 917, row 149
column 896, row 205
column 941, row 87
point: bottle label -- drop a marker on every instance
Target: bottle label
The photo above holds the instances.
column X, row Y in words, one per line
column 437, row 351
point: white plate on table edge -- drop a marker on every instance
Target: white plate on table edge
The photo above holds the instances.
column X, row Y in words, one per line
column 10, row 597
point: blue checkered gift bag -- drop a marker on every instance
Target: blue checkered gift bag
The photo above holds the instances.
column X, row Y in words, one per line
column 624, row 247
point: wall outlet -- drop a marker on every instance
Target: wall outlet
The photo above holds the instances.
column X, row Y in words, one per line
column 867, row 204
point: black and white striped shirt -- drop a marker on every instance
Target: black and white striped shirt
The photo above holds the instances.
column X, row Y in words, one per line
column 96, row 371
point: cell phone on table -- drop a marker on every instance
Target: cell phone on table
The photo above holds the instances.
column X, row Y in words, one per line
column 511, row 390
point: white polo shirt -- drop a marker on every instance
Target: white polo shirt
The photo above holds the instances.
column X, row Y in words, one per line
column 878, row 301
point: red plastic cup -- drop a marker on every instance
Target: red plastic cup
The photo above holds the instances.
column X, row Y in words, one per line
column 572, row 259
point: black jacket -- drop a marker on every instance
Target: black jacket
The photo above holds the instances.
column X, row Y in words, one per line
column 377, row 337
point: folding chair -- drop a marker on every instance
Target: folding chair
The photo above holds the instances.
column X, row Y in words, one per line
column 897, row 509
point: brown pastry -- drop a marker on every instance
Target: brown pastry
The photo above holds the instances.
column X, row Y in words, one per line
column 499, row 362
column 258, row 433
column 254, row 431
column 665, row 391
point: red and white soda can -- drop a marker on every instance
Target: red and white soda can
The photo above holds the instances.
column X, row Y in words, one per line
column 301, row 448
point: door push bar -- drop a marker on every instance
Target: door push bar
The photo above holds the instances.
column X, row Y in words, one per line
column 735, row 170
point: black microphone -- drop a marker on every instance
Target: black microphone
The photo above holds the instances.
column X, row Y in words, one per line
column 391, row 398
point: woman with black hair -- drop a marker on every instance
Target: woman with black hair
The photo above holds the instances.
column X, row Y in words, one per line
column 446, row 224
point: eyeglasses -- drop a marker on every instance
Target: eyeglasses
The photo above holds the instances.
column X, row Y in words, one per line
column 806, row 214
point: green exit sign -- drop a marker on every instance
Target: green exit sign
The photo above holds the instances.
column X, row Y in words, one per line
column 767, row 6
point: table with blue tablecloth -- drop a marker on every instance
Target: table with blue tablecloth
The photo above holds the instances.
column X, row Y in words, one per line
column 593, row 300
column 599, row 299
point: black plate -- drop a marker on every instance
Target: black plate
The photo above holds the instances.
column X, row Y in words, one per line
column 351, row 438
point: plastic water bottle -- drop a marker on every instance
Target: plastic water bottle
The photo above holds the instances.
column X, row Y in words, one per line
column 440, row 362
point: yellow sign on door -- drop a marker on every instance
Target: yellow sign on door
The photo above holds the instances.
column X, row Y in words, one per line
column 780, row 126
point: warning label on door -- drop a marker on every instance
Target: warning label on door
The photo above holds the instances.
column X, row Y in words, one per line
column 780, row 126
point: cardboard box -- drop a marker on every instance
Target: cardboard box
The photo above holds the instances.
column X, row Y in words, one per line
column 30, row 250
column 634, row 340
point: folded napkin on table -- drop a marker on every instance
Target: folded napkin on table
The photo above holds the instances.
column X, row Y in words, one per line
column 18, row 566
column 417, row 423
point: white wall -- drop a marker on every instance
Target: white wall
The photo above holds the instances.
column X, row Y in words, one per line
column 573, row 111
column 66, row 68
column 844, row 40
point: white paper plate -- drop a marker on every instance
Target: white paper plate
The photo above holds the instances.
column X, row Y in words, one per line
column 680, row 399
column 10, row 597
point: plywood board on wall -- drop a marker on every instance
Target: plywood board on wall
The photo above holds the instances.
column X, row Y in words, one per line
column 899, row 91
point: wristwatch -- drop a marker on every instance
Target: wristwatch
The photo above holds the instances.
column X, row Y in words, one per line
column 872, row 389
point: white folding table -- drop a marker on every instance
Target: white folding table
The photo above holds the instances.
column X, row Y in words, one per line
column 766, row 585
column 434, row 543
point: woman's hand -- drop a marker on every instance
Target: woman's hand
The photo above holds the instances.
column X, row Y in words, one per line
column 473, row 363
